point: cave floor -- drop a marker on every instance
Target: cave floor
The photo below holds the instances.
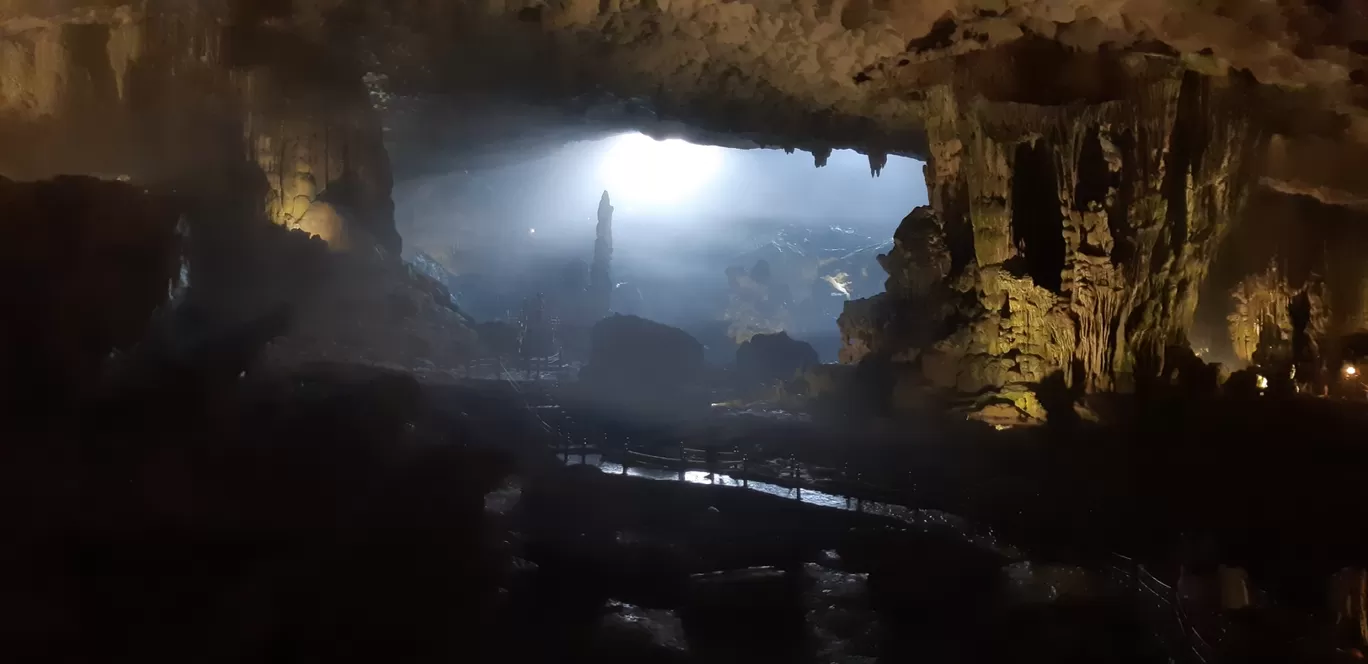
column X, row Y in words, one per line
column 358, row 515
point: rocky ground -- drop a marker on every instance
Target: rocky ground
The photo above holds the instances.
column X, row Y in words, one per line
column 1264, row 484
column 351, row 514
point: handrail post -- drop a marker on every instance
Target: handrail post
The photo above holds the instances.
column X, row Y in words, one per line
column 859, row 502
column 845, row 479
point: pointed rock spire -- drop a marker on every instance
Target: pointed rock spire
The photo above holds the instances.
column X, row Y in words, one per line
column 600, row 275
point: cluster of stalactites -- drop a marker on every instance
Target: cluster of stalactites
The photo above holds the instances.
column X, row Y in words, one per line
column 1261, row 312
column 1264, row 319
column 1077, row 234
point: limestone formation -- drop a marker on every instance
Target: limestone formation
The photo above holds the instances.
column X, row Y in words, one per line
column 600, row 274
column 326, row 169
column 766, row 358
column 1262, row 316
column 170, row 98
column 643, row 365
column 1084, row 159
column 755, row 304
column 1064, row 239
column 1275, row 325
column 146, row 88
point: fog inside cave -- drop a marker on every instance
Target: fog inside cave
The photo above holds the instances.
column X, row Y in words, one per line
column 683, row 215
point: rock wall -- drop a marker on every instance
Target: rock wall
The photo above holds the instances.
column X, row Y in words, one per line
column 183, row 97
column 755, row 303
column 83, row 266
column 1262, row 313
column 1293, row 264
column 1064, row 238
column 770, row 358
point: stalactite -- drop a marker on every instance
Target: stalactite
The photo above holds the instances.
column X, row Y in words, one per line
column 990, row 187
column 820, row 156
column 321, row 154
column 1144, row 189
column 1261, row 312
column 877, row 161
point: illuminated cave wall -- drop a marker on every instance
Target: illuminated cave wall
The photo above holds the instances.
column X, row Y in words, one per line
column 178, row 102
column 1145, row 187
column 1284, row 245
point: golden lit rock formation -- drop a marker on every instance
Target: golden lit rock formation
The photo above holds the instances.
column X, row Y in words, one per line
column 1077, row 234
column 1084, row 159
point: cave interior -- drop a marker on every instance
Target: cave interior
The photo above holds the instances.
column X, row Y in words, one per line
column 1096, row 392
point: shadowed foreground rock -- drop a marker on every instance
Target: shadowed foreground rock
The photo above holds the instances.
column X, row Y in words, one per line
column 325, row 515
column 83, row 264
column 643, row 365
column 769, row 357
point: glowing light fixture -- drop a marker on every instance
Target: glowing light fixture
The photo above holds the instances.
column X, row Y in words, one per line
column 1261, row 382
column 643, row 172
column 1351, row 370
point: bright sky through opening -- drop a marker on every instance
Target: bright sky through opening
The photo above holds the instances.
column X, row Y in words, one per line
column 642, row 172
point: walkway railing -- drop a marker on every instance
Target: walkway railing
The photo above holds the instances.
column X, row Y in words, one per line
column 1153, row 598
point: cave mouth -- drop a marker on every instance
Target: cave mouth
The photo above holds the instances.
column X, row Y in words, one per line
column 693, row 229
column 1037, row 222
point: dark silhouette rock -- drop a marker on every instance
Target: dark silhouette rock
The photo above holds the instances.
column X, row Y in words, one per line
column 770, row 357
column 84, row 263
column 635, row 362
column 498, row 339
column 600, row 275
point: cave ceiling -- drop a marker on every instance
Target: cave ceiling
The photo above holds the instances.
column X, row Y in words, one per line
column 472, row 79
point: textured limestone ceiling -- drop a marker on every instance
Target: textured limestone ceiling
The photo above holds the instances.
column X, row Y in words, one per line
column 792, row 73
column 854, row 72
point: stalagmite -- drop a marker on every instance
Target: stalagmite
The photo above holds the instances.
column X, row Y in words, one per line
column 600, row 274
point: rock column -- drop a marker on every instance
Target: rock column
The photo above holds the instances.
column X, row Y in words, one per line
column 600, row 274
column 1060, row 239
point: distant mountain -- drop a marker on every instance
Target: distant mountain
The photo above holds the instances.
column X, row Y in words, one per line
column 811, row 274
column 831, row 261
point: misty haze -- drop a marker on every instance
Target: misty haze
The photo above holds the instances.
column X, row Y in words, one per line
column 683, row 214
column 683, row 332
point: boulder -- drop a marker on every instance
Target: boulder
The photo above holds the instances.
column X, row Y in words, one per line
column 641, row 364
column 767, row 358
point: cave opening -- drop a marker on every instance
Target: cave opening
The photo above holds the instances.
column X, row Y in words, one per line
column 310, row 438
column 725, row 243
column 1037, row 222
column 333, row 419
